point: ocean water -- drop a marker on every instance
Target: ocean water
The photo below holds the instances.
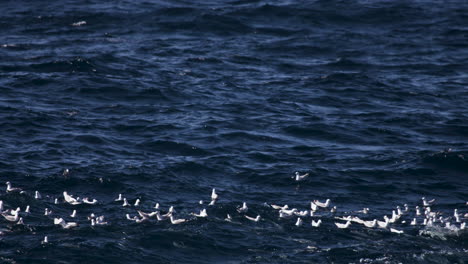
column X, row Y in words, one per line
column 164, row 100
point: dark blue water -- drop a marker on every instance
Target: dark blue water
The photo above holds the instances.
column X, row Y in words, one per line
column 165, row 100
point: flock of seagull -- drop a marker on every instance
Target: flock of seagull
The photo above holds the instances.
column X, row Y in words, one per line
column 420, row 215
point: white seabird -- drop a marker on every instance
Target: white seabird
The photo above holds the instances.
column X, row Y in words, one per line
column 301, row 213
column 125, row 202
column 37, row 195
column 47, row 211
column 11, row 189
column 201, row 214
column 60, row 221
column 69, row 199
column 277, row 207
column 11, row 218
column 87, row 201
column 299, row 221
column 299, row 177
column 256, row 219
column 426, row 202
column 120, row 198
column 137, row 202
column 73, row 214
column 214, row 195
column 243, row 209
column 313, row 206
column 393, row 230
column 370, row 224
column 228, row 218
column 339, row 225
column 324, row 205
column 177, row 221
column 316, row 223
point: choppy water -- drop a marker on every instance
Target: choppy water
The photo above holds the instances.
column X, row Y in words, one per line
column 165, row 100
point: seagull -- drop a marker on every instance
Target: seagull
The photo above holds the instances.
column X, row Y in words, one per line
column 316, row 224
column 66, row 172
column 156, row 206
column 370, row 224
column 393, row 230
column 100, row 220
column 125, row 202
column 228, row 218
column 20, row 221
column 256, row 219
column 324, row 205
column 45, row 241
column 288, row 212
column 11, row 218
column 87, row 201
column 364, row 211
column 11, row 189
column 177, row 221
column 146, row 215
column 202, row 213
column 137, row 202
column 299, row 177
column 301, row 213
column 65, row 225
column 120, row 198
column 69, row 199
column 37, row 195
column 426, row 202
column 462, row 226
column 333, row 210
column 14, row 212
column 243, row 209
column 399, row 212
column 418, row 211
column 299, row 221
column 47, row 211
column 343, row 225
column 56, row 201
column 27, row 210
column 214, row 195
column 73, row 214
column 277, row 207
column 313, row 206
column 131, row 218
column 413, row 222
column 212, row 202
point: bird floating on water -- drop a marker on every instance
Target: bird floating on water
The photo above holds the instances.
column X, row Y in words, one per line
column 346, row 225
column 299, row 221
column 426, row 202
column 323, row 205
column 316, row 223
column 299, row 177
column 11, row 189
column 256, row 219
column 243, row 209
column 214, row 195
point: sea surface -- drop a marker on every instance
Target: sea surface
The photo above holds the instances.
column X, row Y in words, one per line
column 163, row 101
